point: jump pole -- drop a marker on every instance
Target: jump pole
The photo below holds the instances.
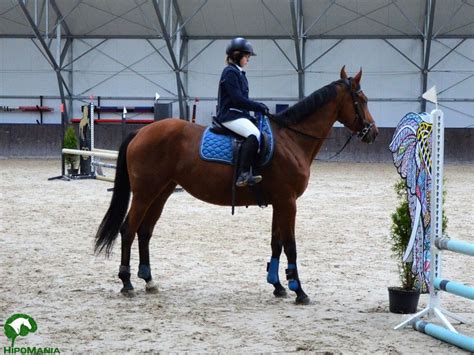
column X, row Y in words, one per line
column 105, row 155
column 438, row 332
column 439, row 243
column 91, row 115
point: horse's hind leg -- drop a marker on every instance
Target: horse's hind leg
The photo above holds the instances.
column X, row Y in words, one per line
column 144, row 234
column 128, row 230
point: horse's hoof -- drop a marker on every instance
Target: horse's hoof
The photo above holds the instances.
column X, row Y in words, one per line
column 302, row 300
column 151, row 287
column 280, row 293
column 128, row 292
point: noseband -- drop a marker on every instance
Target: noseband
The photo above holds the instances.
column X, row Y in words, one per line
column 359, row 114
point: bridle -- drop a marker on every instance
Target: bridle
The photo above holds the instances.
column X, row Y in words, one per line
column 359, row 113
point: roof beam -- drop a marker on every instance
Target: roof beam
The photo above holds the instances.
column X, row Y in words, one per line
column 176, row 69
column 83, row 54
column 323, row 54
column 129, row 67
column 449, row 21
column 284, row 54
column 319, row 17
column 366, row 16
column 297, row 21
column 182, row 24
column 61, row 22
column 276, row 19
column 120, row 16
column 428, row 34
column 61, row 19
column 57, row 69
column 49, row 55
column 447, row 54
column 403, row 54
column 197, row 54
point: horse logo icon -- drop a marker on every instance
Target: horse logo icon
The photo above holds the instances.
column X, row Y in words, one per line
column 19, row 324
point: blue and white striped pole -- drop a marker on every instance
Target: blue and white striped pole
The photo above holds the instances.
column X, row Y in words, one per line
column 456, row 246
column 455, row 288
column 441, row 333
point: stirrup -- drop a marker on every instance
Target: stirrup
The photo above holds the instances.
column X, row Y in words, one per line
column 246, row 179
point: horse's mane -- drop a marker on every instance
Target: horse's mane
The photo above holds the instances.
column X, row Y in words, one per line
column 302, row 109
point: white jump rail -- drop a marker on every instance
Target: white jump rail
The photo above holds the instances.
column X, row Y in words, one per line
column 88, row 153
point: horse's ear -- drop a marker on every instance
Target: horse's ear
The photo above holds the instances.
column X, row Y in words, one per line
column 358, row 77
column 343, row 72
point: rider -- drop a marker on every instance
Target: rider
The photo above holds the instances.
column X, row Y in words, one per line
column 234, row 106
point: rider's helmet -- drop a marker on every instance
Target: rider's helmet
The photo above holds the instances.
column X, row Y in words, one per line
column 239, row 44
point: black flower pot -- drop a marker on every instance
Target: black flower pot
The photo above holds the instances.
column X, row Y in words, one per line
column 403, row 301
column 72, row 172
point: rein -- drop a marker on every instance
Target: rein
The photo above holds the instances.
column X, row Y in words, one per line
column 359, row 115
column 281, row 123
column 273, row 118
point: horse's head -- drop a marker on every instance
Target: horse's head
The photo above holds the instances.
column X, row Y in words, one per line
column 354, row 113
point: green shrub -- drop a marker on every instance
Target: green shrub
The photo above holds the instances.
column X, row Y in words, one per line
column 400, row 233
column 70, row 142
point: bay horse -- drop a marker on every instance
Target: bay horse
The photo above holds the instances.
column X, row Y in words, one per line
column 154, row 160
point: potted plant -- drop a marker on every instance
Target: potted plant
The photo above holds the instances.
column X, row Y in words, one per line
column 404, row 299
column 70, row 142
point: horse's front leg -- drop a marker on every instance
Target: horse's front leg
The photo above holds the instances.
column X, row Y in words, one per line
column 284, row 219
column 273, row 266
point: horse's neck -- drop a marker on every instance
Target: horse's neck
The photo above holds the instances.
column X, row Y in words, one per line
column 317, row 125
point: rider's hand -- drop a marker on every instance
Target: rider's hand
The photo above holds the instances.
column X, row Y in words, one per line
column 264, row 108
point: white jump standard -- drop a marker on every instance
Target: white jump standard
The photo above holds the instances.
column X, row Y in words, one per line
column 95, row 164
column 438, row 244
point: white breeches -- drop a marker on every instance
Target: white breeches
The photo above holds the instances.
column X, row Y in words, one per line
column 243, row 127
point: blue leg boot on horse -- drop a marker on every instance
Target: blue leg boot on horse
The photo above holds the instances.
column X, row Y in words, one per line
column 273, row 278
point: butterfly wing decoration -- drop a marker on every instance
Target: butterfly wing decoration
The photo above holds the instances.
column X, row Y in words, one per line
column 411, row 150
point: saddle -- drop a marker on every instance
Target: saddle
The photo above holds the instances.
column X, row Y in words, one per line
column 221, row 145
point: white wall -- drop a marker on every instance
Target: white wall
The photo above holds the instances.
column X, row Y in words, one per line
column 389, row 80
column 25, row 72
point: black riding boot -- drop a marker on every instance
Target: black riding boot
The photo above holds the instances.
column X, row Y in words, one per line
column 248, row 151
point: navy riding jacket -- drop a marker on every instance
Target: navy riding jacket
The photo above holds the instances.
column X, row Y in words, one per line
column 233, row 98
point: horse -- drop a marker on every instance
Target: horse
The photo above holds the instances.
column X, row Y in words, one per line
column 155, row 159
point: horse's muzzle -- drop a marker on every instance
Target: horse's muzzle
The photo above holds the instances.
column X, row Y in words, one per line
column 369, row 133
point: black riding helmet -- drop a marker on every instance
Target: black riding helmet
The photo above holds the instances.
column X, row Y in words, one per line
column 239, row 44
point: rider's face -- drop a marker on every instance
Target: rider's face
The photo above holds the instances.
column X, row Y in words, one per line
column 244, row 61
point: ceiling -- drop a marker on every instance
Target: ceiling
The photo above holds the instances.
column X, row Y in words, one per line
column 229, row 18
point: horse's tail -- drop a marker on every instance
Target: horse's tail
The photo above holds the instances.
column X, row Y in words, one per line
column 114, row 217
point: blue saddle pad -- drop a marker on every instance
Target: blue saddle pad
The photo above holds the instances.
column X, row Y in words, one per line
column 218, row 147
